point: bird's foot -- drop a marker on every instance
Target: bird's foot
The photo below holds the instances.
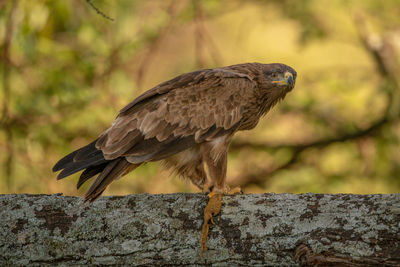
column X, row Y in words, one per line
column 207, row 188
column 213, row 208
column 234, row 191
column 226, row 191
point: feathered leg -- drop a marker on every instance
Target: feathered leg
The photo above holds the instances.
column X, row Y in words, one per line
column 189, row 164
column 215, row 154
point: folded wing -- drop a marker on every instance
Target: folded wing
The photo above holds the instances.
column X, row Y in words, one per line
column 173, row 116
column 177, row 114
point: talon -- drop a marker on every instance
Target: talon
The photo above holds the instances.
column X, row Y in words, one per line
column 213, row 208
column 213, row 193
column 207, row 188
column 210, row 195
column 234, row 191
column 205, row 191
column 211, row 188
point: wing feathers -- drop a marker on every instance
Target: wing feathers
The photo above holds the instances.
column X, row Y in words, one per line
column 166, row 132
column 115, row 148
column 160, row 150
column 188, row 105
column 121, row 130
column 171, row 117
column 157, row 129
column 148, row 123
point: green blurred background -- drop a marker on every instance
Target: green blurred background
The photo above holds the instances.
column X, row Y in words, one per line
column 66, row 71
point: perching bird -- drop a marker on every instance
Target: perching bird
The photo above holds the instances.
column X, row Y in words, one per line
column 187, row 122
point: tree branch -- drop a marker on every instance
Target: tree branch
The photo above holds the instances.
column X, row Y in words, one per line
column 99, row 11
column 257, row 230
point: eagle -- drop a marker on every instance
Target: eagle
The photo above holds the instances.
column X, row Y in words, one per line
column 187, row 122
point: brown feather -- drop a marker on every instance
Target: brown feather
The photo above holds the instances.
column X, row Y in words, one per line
column 118, row 147
column 111, row 172
column 89, row 173
column 197, row 112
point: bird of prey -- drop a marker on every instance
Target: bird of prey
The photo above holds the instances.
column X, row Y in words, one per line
column 187, row 122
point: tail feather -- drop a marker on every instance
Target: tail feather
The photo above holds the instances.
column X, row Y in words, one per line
column 80, row 159
column 92, row 160
column 95, row 197
column 89, row 173
column 64, row 161
column 114, row 170
column 80, row 156
column 87, row 152
column 74, row 167
column 71, row 156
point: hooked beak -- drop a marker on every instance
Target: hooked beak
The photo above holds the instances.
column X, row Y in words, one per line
column 287, row 80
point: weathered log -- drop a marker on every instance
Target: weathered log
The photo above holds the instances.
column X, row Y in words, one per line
column 256, row 230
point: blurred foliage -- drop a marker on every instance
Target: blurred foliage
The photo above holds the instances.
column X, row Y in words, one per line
column 66, row 71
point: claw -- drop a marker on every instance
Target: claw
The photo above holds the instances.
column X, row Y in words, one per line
column 207, row 188
column 212, row 194
column 213, row 208
column 234, row 191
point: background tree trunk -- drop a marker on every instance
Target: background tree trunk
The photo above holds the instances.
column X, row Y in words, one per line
column 256, row 230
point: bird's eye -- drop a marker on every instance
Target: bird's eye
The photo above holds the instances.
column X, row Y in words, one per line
column 271, row 75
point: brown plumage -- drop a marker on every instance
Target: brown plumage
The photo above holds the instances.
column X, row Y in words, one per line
column 188, row 121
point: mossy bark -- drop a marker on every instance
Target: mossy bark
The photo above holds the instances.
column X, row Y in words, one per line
column 256, row 230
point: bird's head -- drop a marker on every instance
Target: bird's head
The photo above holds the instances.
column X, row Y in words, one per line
column 277, row 76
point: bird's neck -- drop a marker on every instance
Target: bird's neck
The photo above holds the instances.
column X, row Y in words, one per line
column 260, row 103
column 266, row 99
